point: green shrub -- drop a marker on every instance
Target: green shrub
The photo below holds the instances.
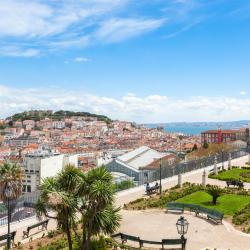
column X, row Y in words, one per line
column 242, row 216
column 175, row 187
column 51, row 233
column 242, row 192
column 245, row 175
column 171, row 194
column 123, row 185
column 233, row 174
column 137, row 201
column 97, row 244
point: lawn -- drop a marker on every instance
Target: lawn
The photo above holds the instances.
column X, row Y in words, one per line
column 229, row 204
column 236, row 173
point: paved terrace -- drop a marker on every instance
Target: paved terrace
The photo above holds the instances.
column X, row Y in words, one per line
column 156, row 224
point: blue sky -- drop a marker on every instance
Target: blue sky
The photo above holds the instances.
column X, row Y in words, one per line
column 144, row 61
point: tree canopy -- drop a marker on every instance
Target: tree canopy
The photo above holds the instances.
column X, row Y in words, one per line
column 11, row 174
column 72, row 193
column 38, row 115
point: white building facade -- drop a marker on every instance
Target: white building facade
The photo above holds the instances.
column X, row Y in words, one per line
column 42, row 164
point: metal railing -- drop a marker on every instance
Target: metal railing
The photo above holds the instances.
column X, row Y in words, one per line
column 188, row 166
column 21, row 208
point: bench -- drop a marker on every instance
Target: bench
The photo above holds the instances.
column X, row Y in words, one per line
column 164, row 242
column 181, row 242
column 44, row 225
column 172, row 206
column 215, row 216
column 5, row 237
column 204, row 210
column 126, row 237
column 150, row 190
column 152, row 242
column 234, row 183
column 192, row 208
column 211, row 214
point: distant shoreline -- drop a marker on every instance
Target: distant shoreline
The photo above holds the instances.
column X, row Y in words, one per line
column 195, row 128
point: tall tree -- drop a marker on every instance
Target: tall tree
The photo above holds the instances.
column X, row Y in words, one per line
column 72, row 192
column 58, row 194
column 11, row 174
column 99, row 215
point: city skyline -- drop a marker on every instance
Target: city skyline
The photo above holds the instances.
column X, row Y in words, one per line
column 156, row 61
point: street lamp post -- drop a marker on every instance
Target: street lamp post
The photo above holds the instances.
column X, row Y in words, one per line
column 160, row 177
column 8, row 194
column 222, row 159
column 182, row 228
column 146, row 175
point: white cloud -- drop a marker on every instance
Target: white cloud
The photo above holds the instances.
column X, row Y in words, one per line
column 82, row 59
column 16, row 51
column 37, row 18
column 24, row 18
column 78, row 59
column 47, row 26
column 118, row 29
column 243, row 93
column 153, row 108
column 53, row 25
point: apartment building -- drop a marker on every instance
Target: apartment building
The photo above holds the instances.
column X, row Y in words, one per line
column 4, row 152
column 223, row 136
column 22, row 141
column 45, row 124
column 29, row 124
column 42, row 164
column 58, row 124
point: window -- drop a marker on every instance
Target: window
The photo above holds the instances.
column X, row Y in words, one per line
column 28, row 188
column 24, row 188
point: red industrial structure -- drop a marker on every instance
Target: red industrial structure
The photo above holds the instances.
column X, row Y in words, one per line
column 223, row 136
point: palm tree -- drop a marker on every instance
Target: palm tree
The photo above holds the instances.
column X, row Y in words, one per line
column 72, row 192
column 215, row 192
column 10, row 174
column 96, row 195
column 58, row 194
